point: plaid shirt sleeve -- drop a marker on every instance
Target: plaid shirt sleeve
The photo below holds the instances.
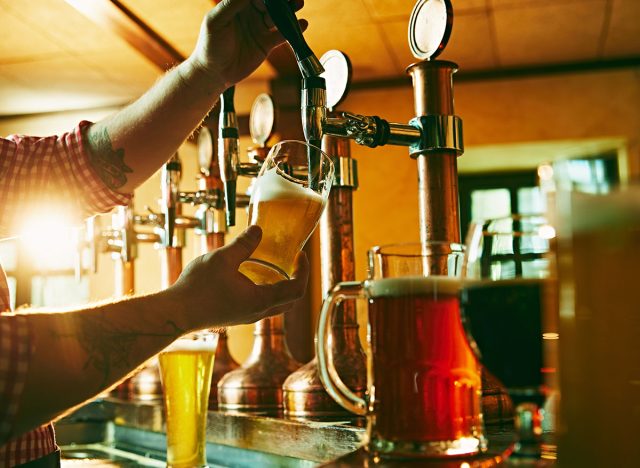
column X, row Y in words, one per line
column 50, row 173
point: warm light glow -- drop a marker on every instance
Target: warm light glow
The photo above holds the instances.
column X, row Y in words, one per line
column 550, row 336
column 547, row 231
column 545, row 172
column 464, row 445
column 49, row 240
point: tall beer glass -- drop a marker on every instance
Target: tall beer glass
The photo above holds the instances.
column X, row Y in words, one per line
column 286, row 202
column 424, row 387
column 599, row 255
column 508, row 283
column 185, row 369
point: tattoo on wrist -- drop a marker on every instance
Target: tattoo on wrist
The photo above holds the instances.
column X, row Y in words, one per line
column 107, row 161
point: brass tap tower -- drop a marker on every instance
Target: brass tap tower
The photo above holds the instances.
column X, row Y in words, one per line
column 304, row 395
column 257, row 385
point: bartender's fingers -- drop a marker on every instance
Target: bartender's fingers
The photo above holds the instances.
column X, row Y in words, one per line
column 242, row 246
column 287, row 291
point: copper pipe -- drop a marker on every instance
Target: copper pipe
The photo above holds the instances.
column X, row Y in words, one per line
column 171, row 265
column 223, row 362
column 256, row 386
column 124, row 277
column 437, row 170
column 304, row 395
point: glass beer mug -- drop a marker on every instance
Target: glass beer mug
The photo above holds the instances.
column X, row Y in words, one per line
column 424, row 386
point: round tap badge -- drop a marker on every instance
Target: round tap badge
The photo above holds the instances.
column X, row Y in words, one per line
column 205, row 150
column 430, row 28
column 262, row 119
column 337, row 74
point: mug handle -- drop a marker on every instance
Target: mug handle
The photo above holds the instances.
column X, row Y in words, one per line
column 327, row 370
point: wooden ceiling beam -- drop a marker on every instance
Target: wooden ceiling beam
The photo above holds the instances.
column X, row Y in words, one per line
column 116, row 17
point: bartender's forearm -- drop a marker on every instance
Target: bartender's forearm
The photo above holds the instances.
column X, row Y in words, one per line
column 79, row 354
column 128, row 147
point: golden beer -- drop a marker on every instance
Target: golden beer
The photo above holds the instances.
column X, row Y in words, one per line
column 185, row 369
column 287, row 212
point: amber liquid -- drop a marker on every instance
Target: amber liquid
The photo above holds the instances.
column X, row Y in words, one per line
column 426, row 378
column 286, row 225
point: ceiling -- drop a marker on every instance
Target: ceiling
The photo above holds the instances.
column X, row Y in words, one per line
column 53, row 58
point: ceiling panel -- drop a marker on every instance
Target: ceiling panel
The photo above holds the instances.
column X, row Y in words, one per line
column 397, row 9
column 623, row 38
column 471, row 44
column 178, row 22
column 363, row 44
column 54, row 23
column 527, row 3
column 549, row 32
column 335, row 11
column 26, row 89
column 393, row 31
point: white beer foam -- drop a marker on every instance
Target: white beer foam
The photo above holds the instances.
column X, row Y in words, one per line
column 191, row 345
column 271, row 186
column 414, row 285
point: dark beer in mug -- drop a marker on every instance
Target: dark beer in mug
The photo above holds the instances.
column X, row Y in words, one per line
column 426, row 380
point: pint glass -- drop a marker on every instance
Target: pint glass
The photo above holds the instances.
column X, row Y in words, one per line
column 424, row 387
column 599, row 254
column 185, row 369
column 287, row 200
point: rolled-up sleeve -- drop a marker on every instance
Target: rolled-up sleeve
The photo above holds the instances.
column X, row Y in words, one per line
column 50, row 173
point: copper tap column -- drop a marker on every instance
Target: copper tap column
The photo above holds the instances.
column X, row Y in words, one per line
column 257, row 385
column 437, row 168
column 304, row 394
column 212, row 232
column 146, row 385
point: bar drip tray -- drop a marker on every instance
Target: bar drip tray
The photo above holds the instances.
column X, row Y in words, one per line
column 100, row 455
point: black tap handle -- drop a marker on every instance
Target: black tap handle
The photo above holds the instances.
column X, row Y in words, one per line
column 285, row 20
column 226, row 99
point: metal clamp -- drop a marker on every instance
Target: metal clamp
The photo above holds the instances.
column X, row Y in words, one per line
column 346, row 172
column 439, row 132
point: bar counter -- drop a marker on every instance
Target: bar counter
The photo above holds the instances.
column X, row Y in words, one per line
column 113, row 432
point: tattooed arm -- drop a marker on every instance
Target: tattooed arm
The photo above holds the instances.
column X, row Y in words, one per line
column 130, row 146
column 79, row 354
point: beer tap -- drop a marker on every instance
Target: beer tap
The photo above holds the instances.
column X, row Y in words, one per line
column 212, row 231
column 304, row 394
column 257, row 385
column 228, row 155
column 434, row 136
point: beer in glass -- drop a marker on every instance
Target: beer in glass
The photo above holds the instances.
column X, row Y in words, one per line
column 286, row 202
column 424, row 381
column 185, row 369
column 508, row 284
column 599, row 254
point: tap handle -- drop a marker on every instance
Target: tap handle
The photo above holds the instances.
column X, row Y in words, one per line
column 285, row 20
column 226, row 99
column 228, row 152
column 172, row 172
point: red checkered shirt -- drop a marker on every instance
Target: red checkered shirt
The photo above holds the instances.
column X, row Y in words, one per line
column 34, row 172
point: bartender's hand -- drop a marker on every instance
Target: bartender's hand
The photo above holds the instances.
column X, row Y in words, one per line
column 216, row 293
column 235, row 37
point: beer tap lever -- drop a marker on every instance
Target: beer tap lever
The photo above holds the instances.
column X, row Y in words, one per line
column 228, row 153
column 171, row 174
column 285, row 20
